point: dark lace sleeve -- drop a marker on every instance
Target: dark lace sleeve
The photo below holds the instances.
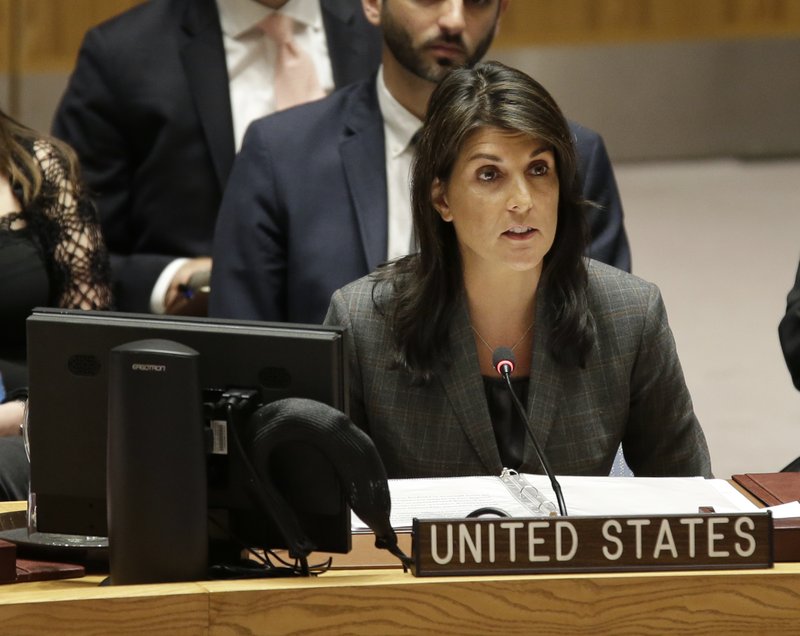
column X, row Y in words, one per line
column 70, row 233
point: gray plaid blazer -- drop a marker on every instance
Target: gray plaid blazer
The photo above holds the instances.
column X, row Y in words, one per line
column 632, row 392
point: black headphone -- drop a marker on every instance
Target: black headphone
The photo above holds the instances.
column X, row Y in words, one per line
column 299, row 428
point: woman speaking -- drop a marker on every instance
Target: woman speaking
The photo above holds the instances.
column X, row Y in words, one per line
column 501, row 233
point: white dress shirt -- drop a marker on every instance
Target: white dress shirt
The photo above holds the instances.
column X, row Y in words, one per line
column 399, row 126
column 250, row 55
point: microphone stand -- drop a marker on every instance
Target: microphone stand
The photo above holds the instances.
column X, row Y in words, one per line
column 503, row 361
column 562, row 508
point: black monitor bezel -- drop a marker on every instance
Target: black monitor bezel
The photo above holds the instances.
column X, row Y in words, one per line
column 59, row 508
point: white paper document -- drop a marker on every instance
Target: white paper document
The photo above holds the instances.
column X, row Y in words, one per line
column 456, row 497
column 785, row 511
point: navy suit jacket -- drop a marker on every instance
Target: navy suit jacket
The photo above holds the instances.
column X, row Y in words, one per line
column 148, row 111
column 305, row 211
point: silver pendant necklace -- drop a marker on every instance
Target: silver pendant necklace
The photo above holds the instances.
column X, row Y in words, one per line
column 489, row 347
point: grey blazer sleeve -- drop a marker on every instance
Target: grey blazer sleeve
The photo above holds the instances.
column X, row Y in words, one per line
column 338, row 315
column 663, row 436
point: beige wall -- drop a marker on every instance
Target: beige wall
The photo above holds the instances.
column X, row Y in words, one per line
column 659, row 78
column 39, row 41
column 676, row 100
column 667, row 79
column 43, row 35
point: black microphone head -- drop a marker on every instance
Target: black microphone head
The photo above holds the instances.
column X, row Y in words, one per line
column 503, row 360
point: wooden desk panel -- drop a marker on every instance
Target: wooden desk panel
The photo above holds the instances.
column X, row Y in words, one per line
column 386, row 601
column 48, row 32
column 80, row 606
column 389, row 602
column 764, row 601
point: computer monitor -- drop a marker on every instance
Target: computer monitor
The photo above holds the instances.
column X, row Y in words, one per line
column 68, row 359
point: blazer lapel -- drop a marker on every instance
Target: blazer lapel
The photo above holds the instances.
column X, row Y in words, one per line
column 544, row 387
column 364, row 162
column 465, row 391
column 203, row 57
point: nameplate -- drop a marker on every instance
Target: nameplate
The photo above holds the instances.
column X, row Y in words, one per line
column 443, row 547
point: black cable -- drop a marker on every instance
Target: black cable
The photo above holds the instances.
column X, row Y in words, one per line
column 487, row 510
column 562, row 508
column 235, row 402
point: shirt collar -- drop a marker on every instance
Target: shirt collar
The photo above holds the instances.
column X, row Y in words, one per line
column 400, row 123
column 237, row 17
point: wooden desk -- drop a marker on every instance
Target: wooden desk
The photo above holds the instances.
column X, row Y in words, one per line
column 389, row 602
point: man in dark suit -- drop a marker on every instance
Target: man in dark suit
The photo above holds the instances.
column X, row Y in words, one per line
column 296, row 225
column 152, row 112
column 789, row 333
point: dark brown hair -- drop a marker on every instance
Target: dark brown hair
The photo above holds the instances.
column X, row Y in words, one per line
column 428, row 285
column 17, row 162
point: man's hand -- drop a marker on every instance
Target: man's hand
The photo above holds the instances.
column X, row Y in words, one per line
column 188, row 292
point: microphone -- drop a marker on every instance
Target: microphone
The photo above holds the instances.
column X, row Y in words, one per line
column 503, row 360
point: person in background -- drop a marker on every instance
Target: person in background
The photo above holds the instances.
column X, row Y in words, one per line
column 51, row 249
column 500, row 220
column 14, row 466
column 789, row 332
column 157, row 106
column 789, row 335
column 51, row 254
column 333, row 204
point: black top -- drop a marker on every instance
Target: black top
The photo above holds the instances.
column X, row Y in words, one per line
column 51, row 254
column 23, row 285
column 509, row 429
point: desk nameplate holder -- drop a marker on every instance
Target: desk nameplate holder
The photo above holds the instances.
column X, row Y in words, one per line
column 537, row 545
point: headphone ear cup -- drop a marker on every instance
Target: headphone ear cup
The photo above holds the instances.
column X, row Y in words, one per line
column 350, row 451
column 258, row 446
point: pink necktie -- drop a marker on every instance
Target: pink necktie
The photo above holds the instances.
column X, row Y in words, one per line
column 296, row 80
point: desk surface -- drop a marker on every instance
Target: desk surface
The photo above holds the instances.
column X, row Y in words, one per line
column 390, row 602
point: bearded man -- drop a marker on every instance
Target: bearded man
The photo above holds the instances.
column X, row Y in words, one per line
column 319, row 194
